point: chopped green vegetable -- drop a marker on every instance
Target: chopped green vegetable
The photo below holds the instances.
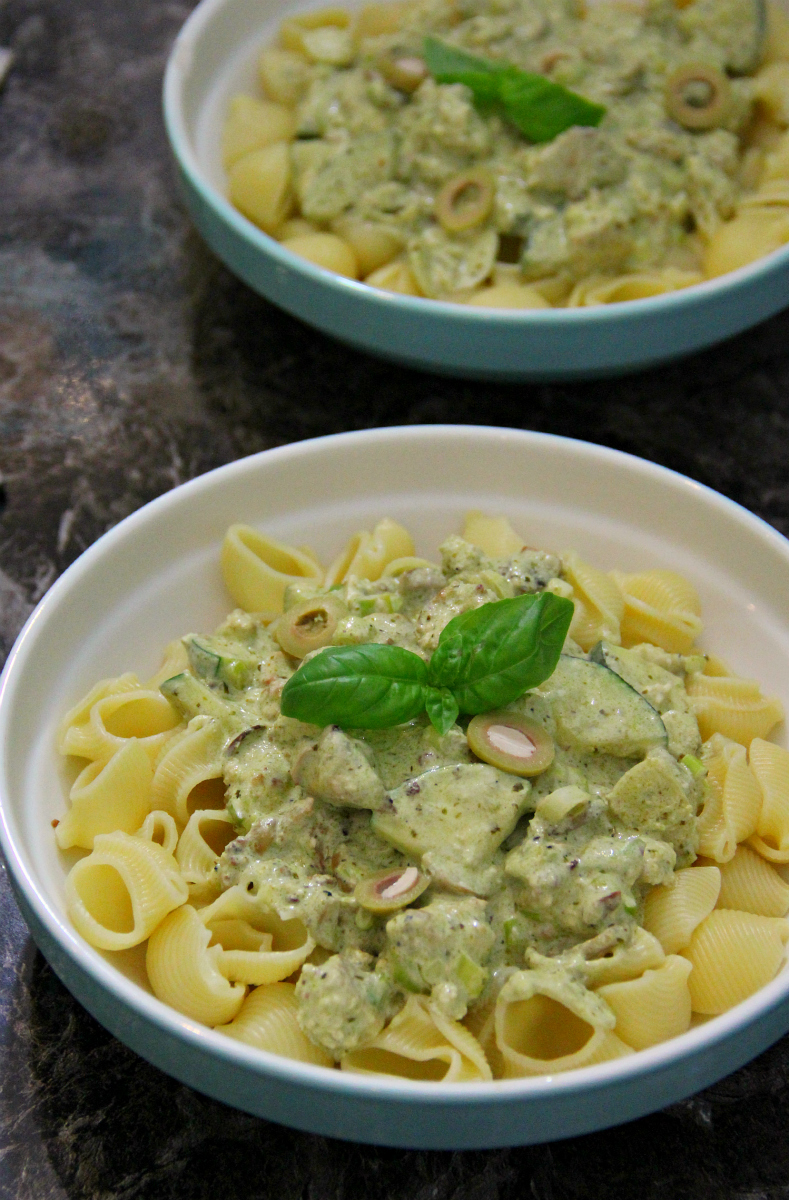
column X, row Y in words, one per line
column 538, row 107
column 694, row 765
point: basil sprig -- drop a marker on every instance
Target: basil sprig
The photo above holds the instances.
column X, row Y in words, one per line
column 538, row 107
column 485, row 659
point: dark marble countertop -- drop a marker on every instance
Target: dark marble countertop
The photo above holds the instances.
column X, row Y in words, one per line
column 130, row 360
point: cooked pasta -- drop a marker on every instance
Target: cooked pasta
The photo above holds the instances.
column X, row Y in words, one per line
column 654, row 1007
column 108, row 795
column 673, row 911
column 420, row 1043
column 733, row 954
column 512, row 893
column 267, row 1021
column 123, row 889
column 749, row 884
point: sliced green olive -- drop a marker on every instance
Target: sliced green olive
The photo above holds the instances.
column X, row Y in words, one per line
column 698, row 96
column 466, row 200
column 389, row 890
column 404, row 71
column 510, row 742
column 309, row 625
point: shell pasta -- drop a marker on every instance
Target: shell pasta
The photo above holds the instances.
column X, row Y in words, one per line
column 502, row 889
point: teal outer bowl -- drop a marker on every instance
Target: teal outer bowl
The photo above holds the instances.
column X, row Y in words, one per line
column 447, row 338
column 156, row 575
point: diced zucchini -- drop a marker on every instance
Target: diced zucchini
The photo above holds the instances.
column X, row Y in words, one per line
column 212, row 662
column 661, row 688
column 192, row 697
column 595, row 709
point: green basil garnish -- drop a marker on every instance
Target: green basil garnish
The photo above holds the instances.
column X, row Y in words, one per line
column 538, row 107
column 485, row 659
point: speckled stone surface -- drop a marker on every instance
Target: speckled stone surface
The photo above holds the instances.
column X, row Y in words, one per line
column 130, row 361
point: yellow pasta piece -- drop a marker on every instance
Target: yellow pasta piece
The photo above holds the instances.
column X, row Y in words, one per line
column 375, row 20
column 733, row 707
column 367, row 555
column 540, row 1030
column 642, row 953
column 749, row 884
column 733, row 955
column 119, row 893
column 493, row 535
column 73, row 724
column 776, row 47
column 655, row 1007
column 771, row 89
column 259, row 185
column 770, row 765
column 733, row 800
column 599, row 603
column 507, row 295
column 325, row 250
column 672, row 911
column 252, row 124
column 108, row 795
column 600, row 289
column 373, row 245
column 409, row 562
column 199, row 847
column 748, row 237
column 776, row 161
column 145, row 715
column 191, row 760
column 269, row 950
column 283, row 75
column 397, row 277
column 420, row 1043
column 174, row 661
column 160, row 827
column 661, row 607
column 267, row 1021
column 183, row 970
column 257, row 569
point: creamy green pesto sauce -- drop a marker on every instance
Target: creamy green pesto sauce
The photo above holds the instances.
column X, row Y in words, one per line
column 626, row 196
column 319, row 811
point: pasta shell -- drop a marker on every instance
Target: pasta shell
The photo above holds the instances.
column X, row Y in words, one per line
column 120, row 892
column 643, row 952
column 160, row 827
column 672, row 911
column 257, row 569
column 733, row 955
column 183, row 970
column 256, row 946
column 108, row 795
column 661, row 607
column 655, row 1007
column 749, row 884
column 267, row 1021
column 192, row 759
column 72, row 725
column 174, row 661
column 493, row 535
column 732, row 804
column 420, row 1043
column 600, row 603
column 770, row 765
column 115, row 718
column 733, row 707
column 199, row 848
column 367, row 555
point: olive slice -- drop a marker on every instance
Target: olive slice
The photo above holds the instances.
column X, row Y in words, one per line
column 698, row 96
column 510, row 742
column 403, row 70
column 309, row 625
column 466, row 200
column 389, row 890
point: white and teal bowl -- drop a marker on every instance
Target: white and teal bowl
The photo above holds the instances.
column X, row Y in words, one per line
column 214, row 58
column 156, row 576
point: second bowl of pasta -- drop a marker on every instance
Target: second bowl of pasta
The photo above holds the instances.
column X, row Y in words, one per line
column 527, row 190
column 467, row 826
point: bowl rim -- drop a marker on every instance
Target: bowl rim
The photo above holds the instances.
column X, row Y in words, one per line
column 176, row 126
column 643, row 1063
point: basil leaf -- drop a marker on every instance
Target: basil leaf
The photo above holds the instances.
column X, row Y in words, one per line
column 538, row 107
column 357, row 687
column 542, row 109
column 509, row 647
column 442, row 708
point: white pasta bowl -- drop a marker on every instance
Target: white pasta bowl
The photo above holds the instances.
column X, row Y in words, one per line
column 156, row 575
column 214, row 58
